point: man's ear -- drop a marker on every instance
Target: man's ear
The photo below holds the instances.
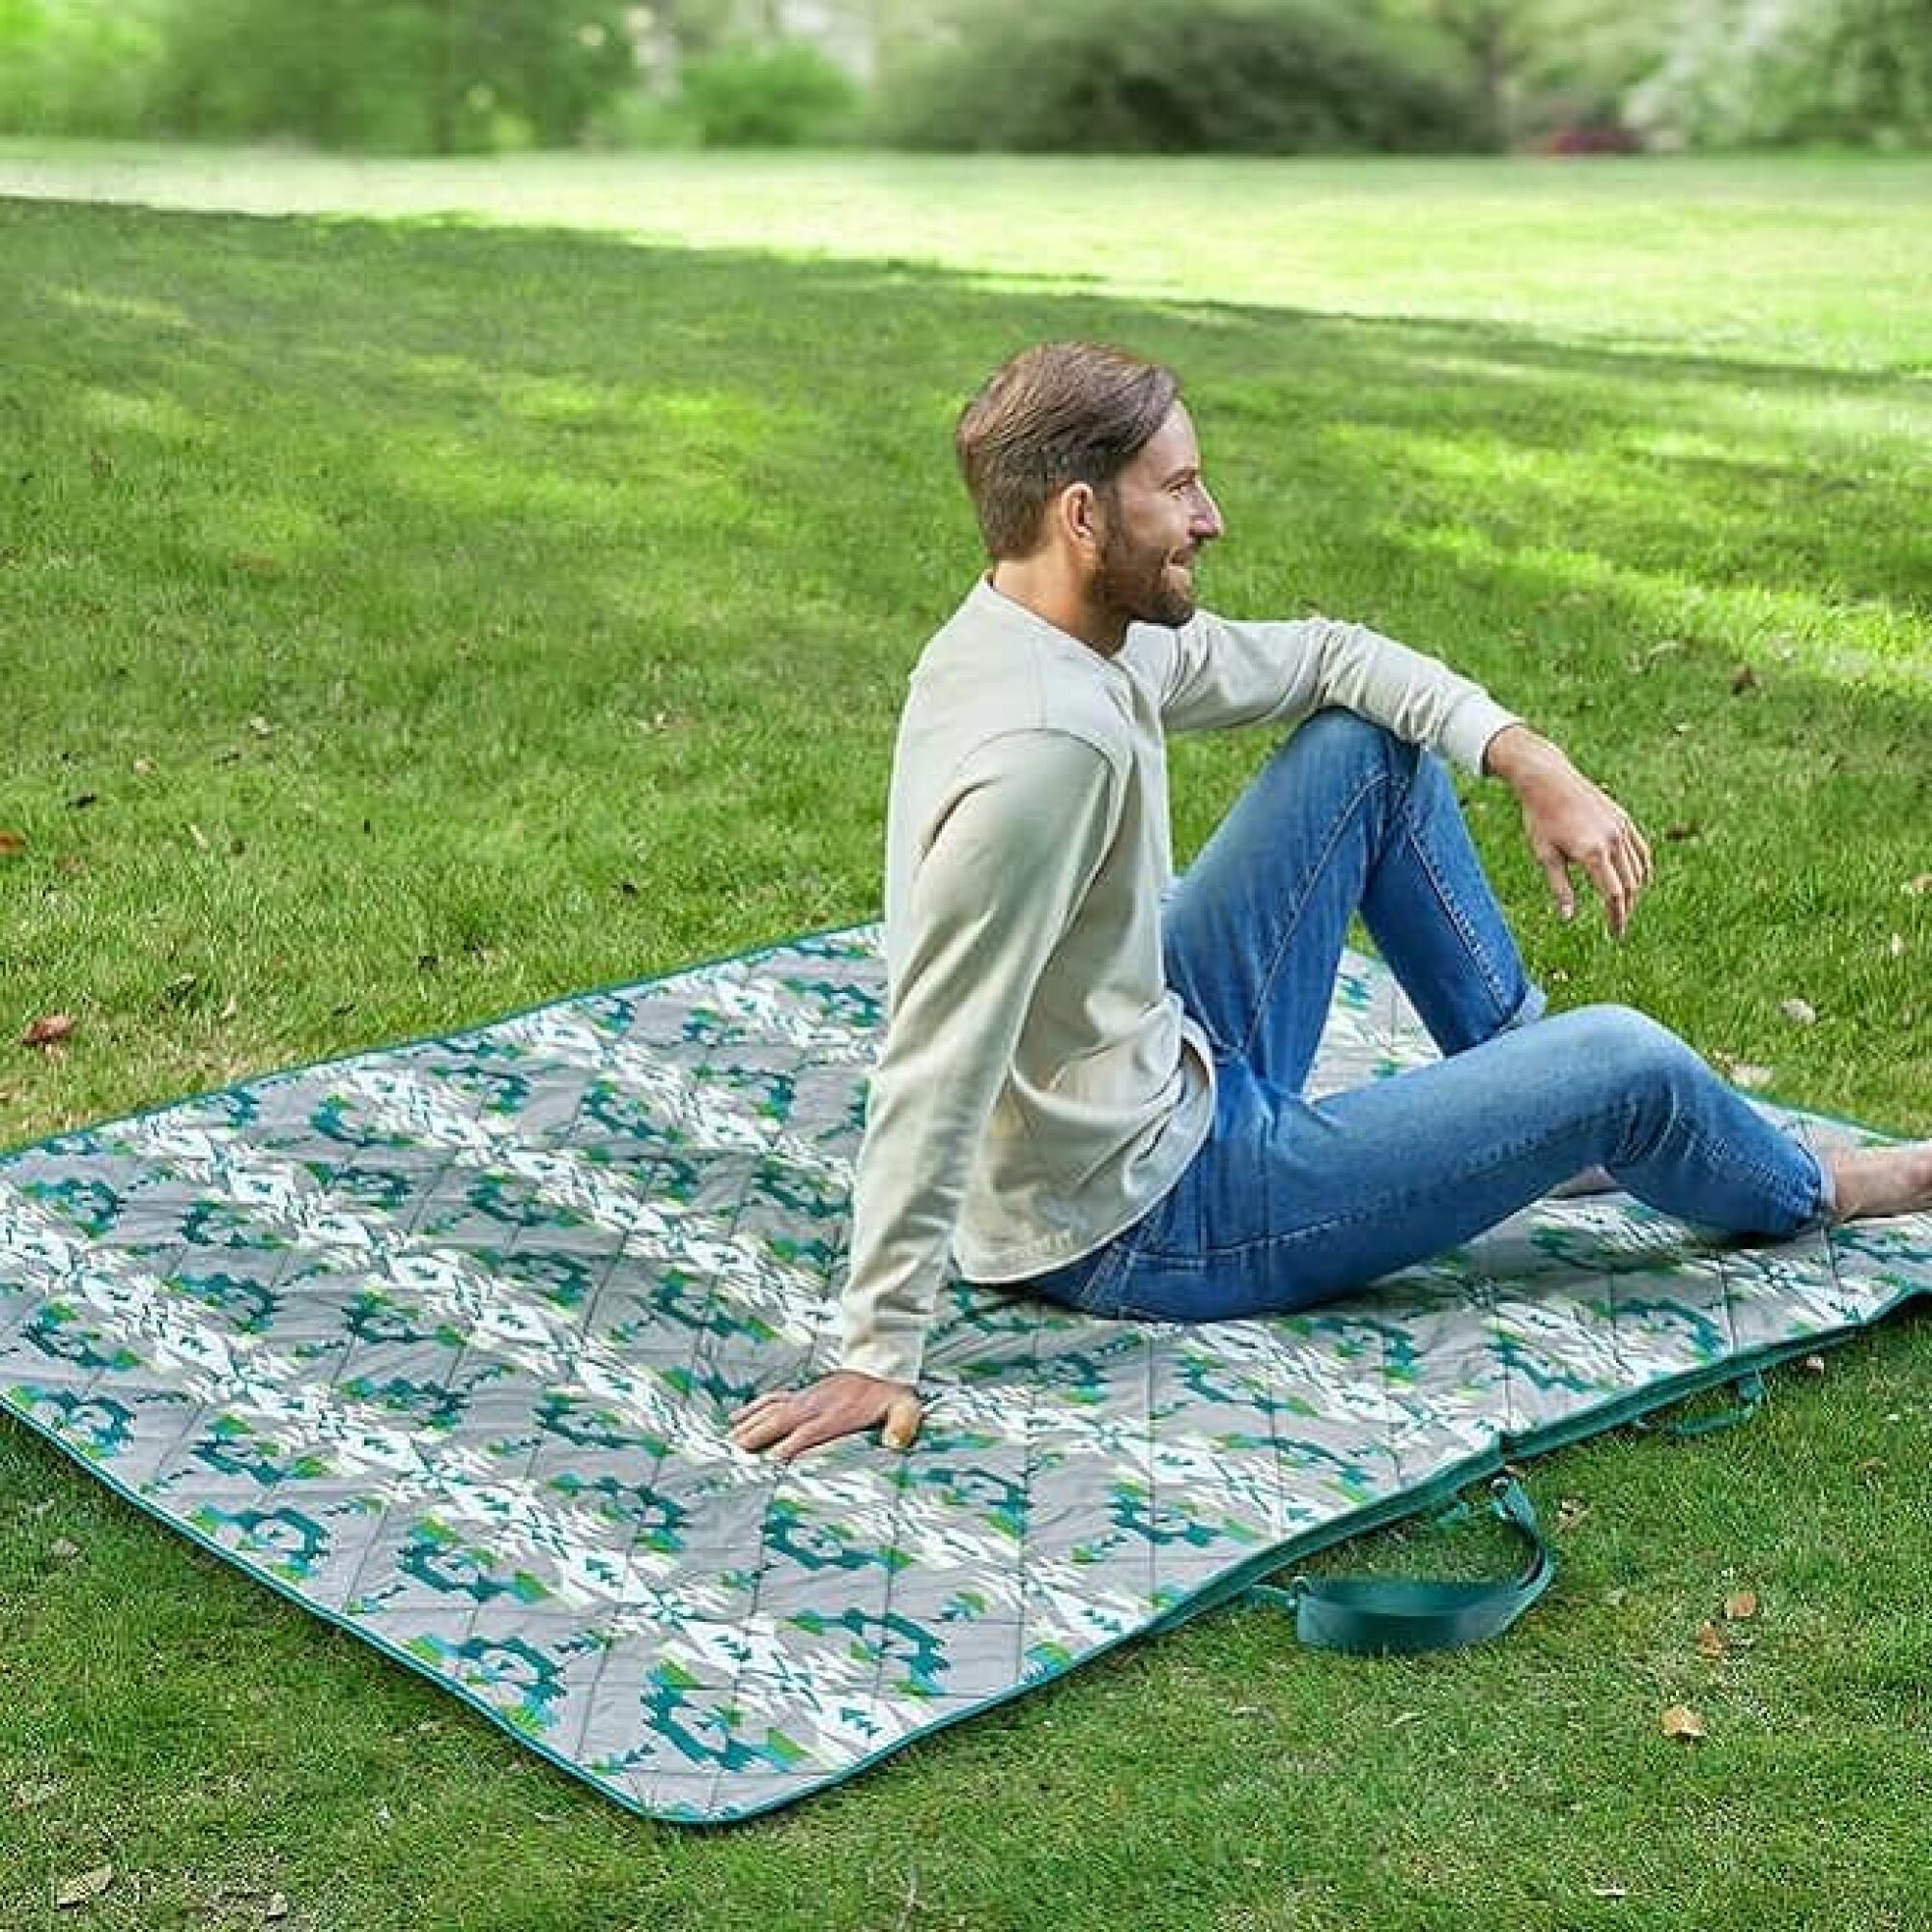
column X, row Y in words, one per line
column 1077, row 515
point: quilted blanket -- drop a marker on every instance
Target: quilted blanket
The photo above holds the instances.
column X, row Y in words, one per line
column 444, row 1341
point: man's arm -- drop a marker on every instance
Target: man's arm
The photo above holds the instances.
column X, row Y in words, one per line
column 1226, row 672
column 1002, row 875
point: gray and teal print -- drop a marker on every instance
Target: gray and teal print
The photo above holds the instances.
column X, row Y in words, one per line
column 443, row 1341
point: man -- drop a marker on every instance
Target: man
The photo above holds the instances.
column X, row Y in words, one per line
column 1092, row 1081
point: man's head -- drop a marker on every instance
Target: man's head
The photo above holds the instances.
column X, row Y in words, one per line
column 1081, row 459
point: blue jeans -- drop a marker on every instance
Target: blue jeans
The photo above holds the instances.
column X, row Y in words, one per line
column 1290, row 1200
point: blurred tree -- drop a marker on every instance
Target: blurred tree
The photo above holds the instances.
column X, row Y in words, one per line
column 398, row 75
column 1494, row 37
column 1540, row 68
column 1756, row 73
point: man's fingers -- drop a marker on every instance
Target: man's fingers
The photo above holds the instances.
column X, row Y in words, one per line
column 1609, row 884
column 902, row 1420
column 808, row 1435
column 1557, row 873
column 760, row 1404
column 761, row 1432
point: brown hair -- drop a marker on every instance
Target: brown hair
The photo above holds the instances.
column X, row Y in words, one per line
column 1058, row 413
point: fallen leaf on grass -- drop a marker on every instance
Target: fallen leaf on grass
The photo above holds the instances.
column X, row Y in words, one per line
column 261, row 727
column 64, row 1548
column 1682, row 1721
column 199, row 837
column 1569, row 1511
column 1741, row 1607
column 1743, row 679
column 1800, row 1013
column 1678, row 833
column 1918, row 887
column 89, row 1885
column 1896, row 946
column 1710, row 1640
column 1813, row 1364
column 144, row 768
column 50, row 1030
column 13, row 844
column 1747, row 1074
column 277, row 1906
column 27, row 1796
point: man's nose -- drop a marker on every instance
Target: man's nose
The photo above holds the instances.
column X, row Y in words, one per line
column 1207, row 523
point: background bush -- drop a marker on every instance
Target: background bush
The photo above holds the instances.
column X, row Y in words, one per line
column 1173, row 76
column 781, row 94
column 79, row 67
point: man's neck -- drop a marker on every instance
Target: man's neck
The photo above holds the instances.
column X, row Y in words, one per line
column 1039, row 586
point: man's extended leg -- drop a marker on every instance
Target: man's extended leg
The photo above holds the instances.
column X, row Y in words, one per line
column 1293, row 1201
column 1345, row 817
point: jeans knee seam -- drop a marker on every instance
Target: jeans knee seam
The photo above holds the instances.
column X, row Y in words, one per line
column 1453, row 913
column 1284, row 939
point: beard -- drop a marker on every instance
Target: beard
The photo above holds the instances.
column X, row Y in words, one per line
column 1144, row 584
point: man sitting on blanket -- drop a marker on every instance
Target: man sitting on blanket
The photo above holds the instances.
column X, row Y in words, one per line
column 1092, row 1083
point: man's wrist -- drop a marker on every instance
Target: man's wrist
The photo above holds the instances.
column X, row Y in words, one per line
column 1518, row 757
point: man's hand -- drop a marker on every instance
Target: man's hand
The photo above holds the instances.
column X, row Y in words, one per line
column 1569, row 821
column 791, row 1421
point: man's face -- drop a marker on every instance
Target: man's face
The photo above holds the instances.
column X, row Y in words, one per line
column 1156, row 519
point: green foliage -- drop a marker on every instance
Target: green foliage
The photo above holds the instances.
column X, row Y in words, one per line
column 78, row 66
column 783, row 93
column 401, row 76
column 1770, row 72
column 1173, row 76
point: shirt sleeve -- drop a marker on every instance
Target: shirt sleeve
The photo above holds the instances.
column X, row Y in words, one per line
column 1223, row 673
column 1018, row 838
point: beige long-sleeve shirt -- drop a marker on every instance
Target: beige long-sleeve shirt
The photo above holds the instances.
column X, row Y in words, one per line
column 1040, row 1088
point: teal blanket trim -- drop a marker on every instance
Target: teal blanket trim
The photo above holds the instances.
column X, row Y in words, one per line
column 441, row 1342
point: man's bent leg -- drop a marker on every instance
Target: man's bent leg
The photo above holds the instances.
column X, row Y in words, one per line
column 1292, row 1203
column 1344, row 817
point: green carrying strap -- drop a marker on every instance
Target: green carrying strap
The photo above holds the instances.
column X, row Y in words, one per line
column 1749, row 1391
column 1392, row 1616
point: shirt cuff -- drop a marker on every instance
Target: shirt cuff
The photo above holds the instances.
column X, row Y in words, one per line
column 1470, row 726
column 892, row 1358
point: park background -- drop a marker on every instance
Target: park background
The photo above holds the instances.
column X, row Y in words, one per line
column 473, row 477
column 1264, row 77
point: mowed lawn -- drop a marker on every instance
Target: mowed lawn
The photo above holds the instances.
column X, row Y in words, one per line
column 405, row 620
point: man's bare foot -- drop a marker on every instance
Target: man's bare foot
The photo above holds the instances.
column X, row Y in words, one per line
column 1871, row 1181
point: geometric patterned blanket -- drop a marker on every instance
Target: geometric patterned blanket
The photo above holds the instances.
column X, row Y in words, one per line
column 442, row 1343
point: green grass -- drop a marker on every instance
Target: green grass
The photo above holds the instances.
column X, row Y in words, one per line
column 435, row 619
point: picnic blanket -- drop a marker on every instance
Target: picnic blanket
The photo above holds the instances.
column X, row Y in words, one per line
column 442, row 1343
